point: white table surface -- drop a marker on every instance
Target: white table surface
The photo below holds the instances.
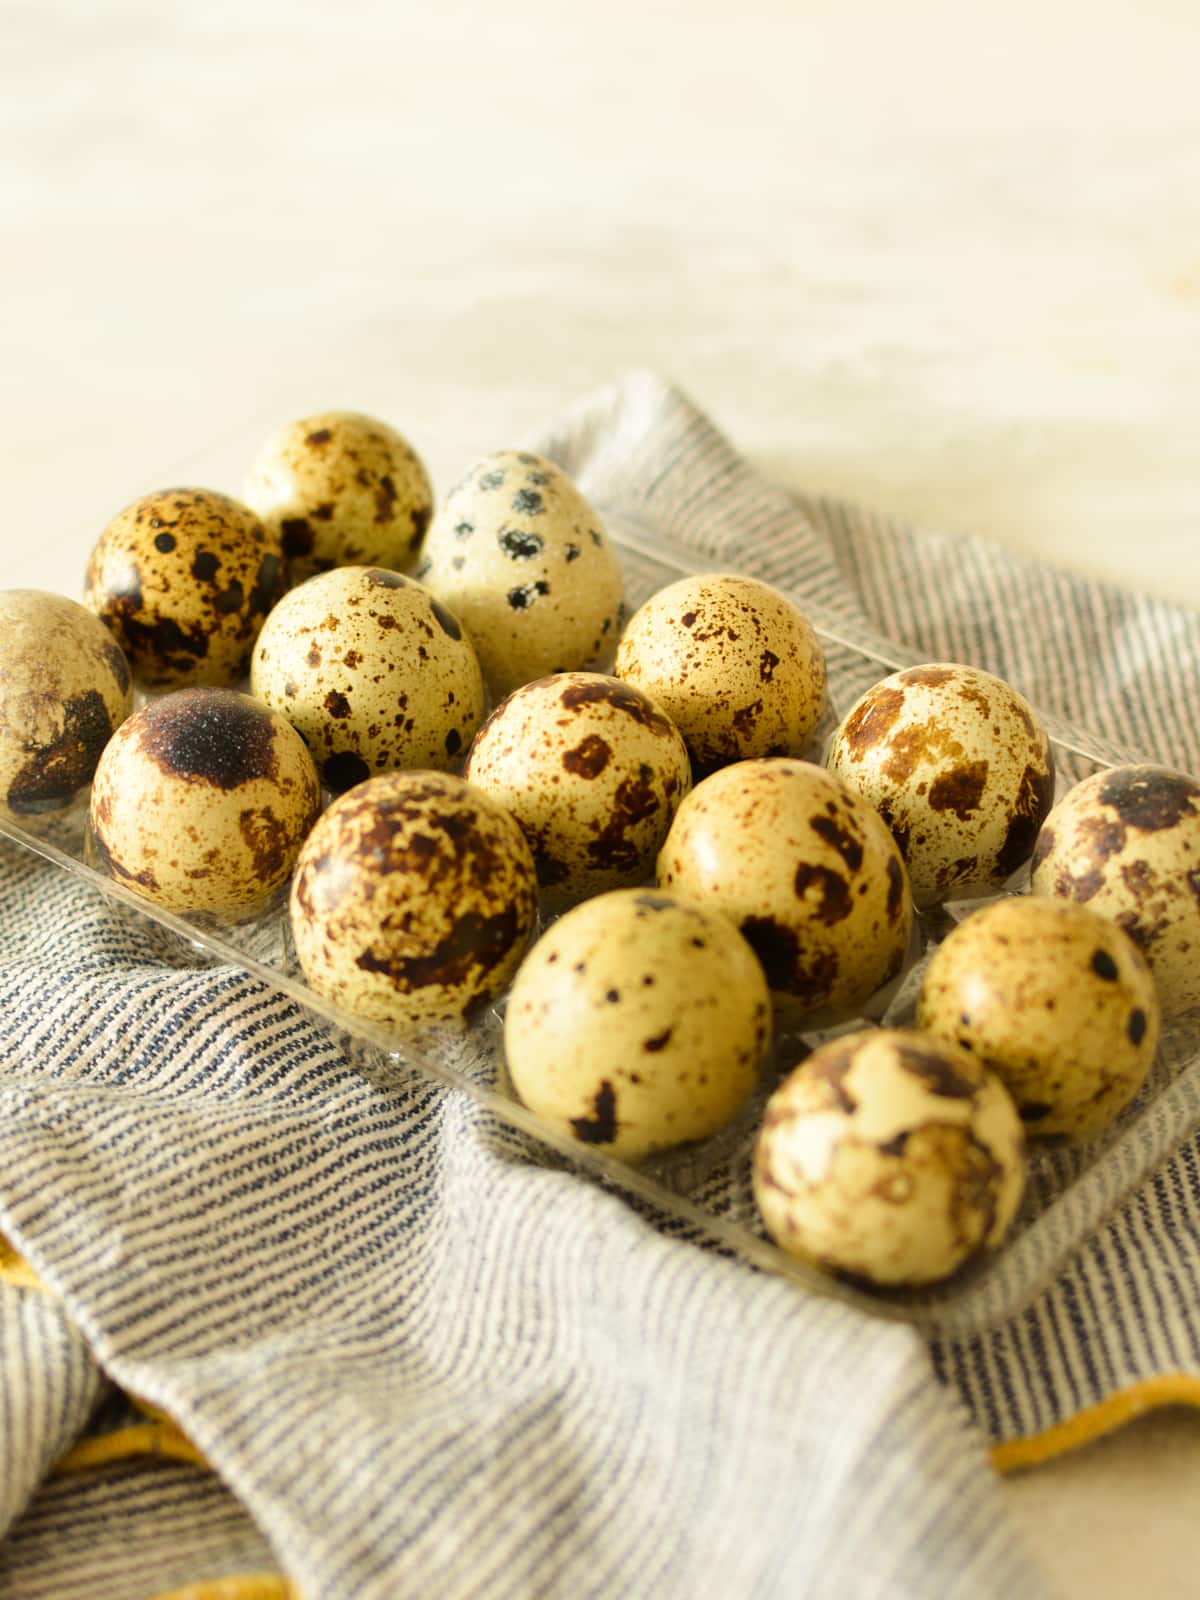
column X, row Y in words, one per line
column 941, row 258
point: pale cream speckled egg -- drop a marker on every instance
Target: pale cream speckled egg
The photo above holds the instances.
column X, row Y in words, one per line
column 184, row 578
column 1126, row 843
column 890, row 1157
column 592, row 770
column 58, row 706
column 637, row 1022
column 517, row 553
column 342, row 489
column 201, row 801
column 733, row 662
column 808, row 872
column 414, row 899
column 956, row 763
column 373, row 671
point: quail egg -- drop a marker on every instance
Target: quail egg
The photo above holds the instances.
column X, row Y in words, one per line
column 184, row 578
column 413, row 901
column 372, row 671
column 637, row 1022
column 957, row 765
column 57, row 709
column 1126, row 843
column 733, row 663
column 889, row 1157
column 201, row 801
column 593, row 772
column 518, row 554
column 1056, row 1000
column 341, row 489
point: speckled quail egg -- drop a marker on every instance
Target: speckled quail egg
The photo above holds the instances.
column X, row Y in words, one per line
column 64, row 687
column 1056, row 1000
column 733, row 662
column 201, row 801
column 414, row 899
column 637, row 1022
column 518, row 554
column 808, row 872
column 184, row 578
column 372, row 671
column 341, row 489
column 956, row 763
column 889, row 1157
column 592, row 770
column 1126, row 843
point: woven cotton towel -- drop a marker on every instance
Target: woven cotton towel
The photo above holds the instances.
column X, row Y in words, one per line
column 422, row 1361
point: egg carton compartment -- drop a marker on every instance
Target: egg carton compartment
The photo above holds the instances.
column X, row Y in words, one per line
column 704, row 1191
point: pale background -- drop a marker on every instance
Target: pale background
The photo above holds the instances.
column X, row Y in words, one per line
column 940, row 257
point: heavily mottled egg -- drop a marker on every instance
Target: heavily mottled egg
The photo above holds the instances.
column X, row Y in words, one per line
column 1056, row 1000
column 413, row 901
column 889, row 1157
column 64, row 688
column 341, row 489
column 808, row 872
column 1126, row 842
column 958, row 766
column 593, row 772
column 637, row 1022
column 733, row 663
column 518, row 554
column 184, row 578
column 372, row 671
column 201, row 801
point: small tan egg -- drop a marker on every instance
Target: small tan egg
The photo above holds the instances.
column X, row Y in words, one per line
column 341, row 489
column 201, row 801
column 889, row 1157
column 413, row 901
column 592, row 771
column 957, row 765
column 1054, row 999
column 637, row 1022
column 1126, row 843
column 517, row 553
column 733, row 662
column 805, row 869
column 184, row 578
column 373, row 671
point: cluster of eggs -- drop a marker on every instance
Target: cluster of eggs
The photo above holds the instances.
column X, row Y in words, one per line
column 649, row 784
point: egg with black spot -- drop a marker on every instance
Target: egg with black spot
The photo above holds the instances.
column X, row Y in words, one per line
column 372, row 671
column 959, row 767
column 183, row 578
column 637, row 1022
column 889, row 1157
column 201, row 802
column 413, row 901
column 520, row 556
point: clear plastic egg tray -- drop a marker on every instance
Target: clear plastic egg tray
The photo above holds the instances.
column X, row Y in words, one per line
column 705, row 1190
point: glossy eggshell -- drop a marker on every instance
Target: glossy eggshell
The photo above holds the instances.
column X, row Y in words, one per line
column 413, row 901
column 808, row 872
column 1126, row 843
column 373, row 671
column 889, row 1157
column 517, row 553
column 637, row 1022
column 184, row 578
column 593, row 772
column 201, row 801
column 341, row 489
column 59, row 705
column 733, row 662
column 958, row 766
